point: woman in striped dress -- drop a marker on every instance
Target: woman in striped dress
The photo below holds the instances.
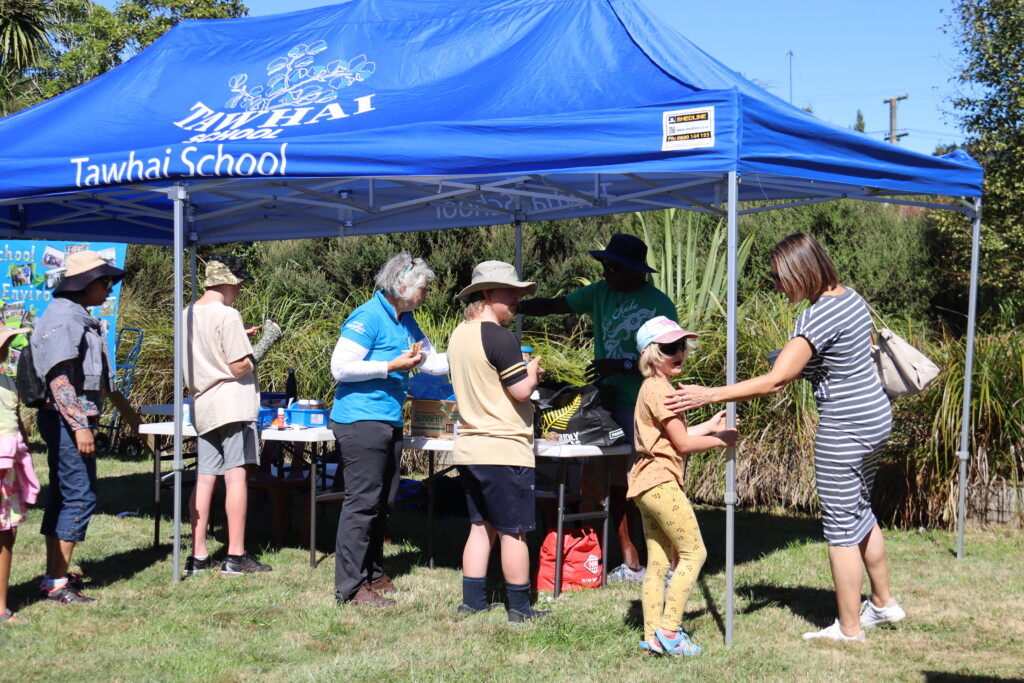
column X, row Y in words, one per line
column 829, row 347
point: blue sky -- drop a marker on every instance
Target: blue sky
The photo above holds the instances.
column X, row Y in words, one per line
column 846, row 56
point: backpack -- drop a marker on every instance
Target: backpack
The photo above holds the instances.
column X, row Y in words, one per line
column 31, row 390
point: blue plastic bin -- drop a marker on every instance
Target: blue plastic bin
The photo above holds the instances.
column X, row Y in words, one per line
column 266, row 416
column 306, row 418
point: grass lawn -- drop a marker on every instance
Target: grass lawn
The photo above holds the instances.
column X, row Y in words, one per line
column 966, row 618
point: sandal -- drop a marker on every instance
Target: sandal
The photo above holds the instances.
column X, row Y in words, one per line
column 651, row 649
column 680, row 646
column 12, row 619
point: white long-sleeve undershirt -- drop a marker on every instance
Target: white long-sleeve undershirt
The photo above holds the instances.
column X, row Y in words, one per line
column 349, row 364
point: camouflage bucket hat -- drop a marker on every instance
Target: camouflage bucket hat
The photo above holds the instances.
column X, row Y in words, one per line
column 225, row 271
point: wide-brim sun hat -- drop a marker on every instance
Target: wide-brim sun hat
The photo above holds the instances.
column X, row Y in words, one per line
column 9, row 333
column 82, row 268
column 660, row 330
column 495, row 275
column 220, row 273
column 626, row 250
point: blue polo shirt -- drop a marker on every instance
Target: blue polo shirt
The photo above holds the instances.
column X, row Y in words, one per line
column 375, row 326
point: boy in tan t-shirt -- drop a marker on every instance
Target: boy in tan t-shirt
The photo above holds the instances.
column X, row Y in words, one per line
column 221, row 374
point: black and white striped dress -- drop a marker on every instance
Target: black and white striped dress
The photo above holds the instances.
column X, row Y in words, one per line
column 855, row 415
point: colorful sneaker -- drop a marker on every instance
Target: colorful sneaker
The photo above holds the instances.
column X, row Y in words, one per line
column 833, row 632
column 193, row 565
column 74, row 580
column 66, row 595
column 871, row 616
column 680, row 646
column 625, row 574
column 236, row 565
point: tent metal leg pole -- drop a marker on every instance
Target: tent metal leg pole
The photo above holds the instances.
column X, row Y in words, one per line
column 180, row 195
column 965, row 421
column 730, row 377
column 519, row 270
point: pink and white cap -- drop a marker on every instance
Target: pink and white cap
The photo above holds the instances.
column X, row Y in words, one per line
column 660, row 330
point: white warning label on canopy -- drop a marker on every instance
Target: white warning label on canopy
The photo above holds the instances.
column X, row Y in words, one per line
column 688, row 129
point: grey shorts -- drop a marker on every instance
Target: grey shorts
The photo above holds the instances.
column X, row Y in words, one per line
column 227, row 447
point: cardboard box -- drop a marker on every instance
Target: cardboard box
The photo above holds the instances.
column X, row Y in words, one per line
column 433, row 419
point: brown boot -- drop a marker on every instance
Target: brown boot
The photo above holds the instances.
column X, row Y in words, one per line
column 382, row 584
column 367, row 596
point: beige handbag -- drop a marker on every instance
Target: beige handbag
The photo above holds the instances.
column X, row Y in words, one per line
column 901, row 369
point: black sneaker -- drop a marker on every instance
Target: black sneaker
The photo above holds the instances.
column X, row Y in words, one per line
column 193, row 565
column 466, row 609
column 67, row 594
column 236, row 565
column 517, row 617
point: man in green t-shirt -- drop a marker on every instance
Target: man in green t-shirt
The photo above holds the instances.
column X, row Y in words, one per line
column 618, row 305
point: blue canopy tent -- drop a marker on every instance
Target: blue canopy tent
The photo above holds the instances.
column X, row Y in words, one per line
column 376, row 116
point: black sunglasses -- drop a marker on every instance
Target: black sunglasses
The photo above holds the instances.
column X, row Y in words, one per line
column 673, row 348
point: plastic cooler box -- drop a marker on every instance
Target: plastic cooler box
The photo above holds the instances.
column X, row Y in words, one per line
column 306, row 418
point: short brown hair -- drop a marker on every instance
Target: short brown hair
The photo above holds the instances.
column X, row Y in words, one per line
column 802, row 267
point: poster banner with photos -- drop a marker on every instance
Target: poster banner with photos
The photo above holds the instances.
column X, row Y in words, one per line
column 29, row 272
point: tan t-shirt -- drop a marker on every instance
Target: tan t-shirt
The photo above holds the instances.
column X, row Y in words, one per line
column 494, row 428
column 8, row 406
column 657, row 461
column 215, row 336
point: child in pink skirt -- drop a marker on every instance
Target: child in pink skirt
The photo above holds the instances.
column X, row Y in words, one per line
column 18, row 483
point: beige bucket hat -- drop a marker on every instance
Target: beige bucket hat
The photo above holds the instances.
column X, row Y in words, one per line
column 495, row 275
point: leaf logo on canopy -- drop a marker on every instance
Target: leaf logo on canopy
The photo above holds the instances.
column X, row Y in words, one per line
column 296, row 80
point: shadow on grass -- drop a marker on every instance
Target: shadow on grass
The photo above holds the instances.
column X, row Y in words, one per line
column 756, row 534
column 98, row 573
column 815, row 605
column 943, row 677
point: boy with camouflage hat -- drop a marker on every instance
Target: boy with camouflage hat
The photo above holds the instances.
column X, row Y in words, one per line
column 220, row 370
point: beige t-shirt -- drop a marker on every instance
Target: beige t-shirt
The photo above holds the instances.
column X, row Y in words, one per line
column 8, row 405
column 215, row 336
column 657, row 461
column 494, row 428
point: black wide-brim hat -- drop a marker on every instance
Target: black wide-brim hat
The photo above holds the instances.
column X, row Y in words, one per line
column 81, row 268
column 626, row 250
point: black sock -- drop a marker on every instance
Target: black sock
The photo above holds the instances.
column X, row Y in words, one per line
column 474, row 593
column 519, row 597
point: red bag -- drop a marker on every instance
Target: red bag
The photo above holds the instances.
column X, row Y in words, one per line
column 581, row 560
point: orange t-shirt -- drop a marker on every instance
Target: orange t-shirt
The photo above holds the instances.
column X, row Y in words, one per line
column 657, row 461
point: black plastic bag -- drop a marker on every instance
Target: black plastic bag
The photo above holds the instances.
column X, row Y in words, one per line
column 571, row 414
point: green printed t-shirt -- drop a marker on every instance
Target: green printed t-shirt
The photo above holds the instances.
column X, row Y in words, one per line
column 617, row 316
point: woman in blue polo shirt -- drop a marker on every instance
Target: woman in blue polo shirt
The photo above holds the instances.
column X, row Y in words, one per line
column 380, row 343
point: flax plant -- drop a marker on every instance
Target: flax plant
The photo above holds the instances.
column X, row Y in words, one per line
column 674, row 250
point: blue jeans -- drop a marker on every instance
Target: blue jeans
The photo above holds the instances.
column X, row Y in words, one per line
column 72, row 495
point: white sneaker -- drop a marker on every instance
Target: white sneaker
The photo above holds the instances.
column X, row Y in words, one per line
column 833, row 632
column 624, row 574
column 871, row 616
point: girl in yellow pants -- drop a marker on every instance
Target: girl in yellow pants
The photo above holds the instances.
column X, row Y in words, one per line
column 662, row 443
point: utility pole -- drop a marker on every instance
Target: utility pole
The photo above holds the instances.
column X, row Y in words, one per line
column 893, row 136
column 790, row 53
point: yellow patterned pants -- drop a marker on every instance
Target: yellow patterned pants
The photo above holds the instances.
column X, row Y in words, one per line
column 669, row 525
